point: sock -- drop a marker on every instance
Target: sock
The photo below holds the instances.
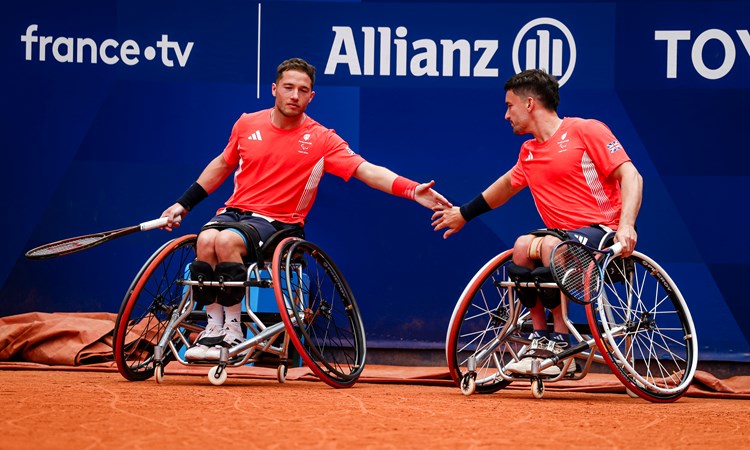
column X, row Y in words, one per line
column 215, row 314
column 232, row 315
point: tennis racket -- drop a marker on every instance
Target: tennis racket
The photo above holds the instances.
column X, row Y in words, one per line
column 77, row 244
column 579, row 270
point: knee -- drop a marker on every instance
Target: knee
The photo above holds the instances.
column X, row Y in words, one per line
column 205, row 245
column 206, row 238
column 227, row 244
column 547, row 245
column 521, row 250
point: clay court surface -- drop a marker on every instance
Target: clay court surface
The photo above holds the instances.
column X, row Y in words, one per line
column 98, row 409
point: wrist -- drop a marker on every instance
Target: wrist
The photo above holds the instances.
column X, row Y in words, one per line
column 404, row 187
column 192, row 196
column 474, row 208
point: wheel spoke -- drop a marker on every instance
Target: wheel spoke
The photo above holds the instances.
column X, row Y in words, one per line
column 649, row 335
column 147, row 307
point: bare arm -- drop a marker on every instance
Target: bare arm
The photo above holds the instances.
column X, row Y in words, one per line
column 495, row 195
column 215, row 173
column 500, row 191
column 381, row 178
column 631, row 191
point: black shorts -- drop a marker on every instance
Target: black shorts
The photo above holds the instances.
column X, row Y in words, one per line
column 265, row 226
column 595, row 236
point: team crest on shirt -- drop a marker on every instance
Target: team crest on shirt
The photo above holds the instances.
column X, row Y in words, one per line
column 563, row 142
column 614, row 146
column 304, row 144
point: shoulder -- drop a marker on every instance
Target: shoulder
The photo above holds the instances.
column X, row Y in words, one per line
column 254, row 117
column 586, row 125
column 323, row 134
column 312, row 125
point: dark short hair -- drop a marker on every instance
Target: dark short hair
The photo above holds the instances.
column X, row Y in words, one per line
column 536, row 83
column 298, row 64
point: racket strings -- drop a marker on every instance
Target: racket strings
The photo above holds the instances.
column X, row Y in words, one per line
column 62, row 247
column 577, row 271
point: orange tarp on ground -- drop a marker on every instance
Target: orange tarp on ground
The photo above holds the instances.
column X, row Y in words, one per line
column 83, row 341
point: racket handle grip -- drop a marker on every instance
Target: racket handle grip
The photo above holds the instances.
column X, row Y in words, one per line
column 616, row 249
column 156, row 223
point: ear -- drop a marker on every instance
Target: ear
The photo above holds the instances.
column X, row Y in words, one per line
column 530, row 103
column 312, row 96
column 273, row 89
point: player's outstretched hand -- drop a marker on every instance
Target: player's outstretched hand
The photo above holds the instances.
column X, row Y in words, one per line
column 447, row 217
column 428, row 197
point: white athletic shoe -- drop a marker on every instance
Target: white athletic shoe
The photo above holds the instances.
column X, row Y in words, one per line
column 207, row 339
column 232, row 336
column 539, row 349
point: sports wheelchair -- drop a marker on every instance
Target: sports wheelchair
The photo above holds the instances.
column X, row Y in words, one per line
column 640, row 326
column 318, row 314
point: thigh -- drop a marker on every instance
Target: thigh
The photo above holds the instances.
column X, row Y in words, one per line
column 593, row 237
column 225, row 221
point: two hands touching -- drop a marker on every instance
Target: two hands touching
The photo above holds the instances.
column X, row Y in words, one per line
column 445, row 215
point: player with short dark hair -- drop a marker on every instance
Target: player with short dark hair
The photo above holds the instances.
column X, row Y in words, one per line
column 583, row 184
column 278, row 157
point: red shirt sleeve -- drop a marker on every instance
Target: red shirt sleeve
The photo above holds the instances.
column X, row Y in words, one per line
column 517, row 175
column 231, row 151
column 340, row 160
column 603, row 147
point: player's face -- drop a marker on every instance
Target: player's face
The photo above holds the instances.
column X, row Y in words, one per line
column 517, row 113
column 293, row 93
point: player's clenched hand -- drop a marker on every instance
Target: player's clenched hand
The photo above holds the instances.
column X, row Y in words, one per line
column 174, row 213
column 627, row 236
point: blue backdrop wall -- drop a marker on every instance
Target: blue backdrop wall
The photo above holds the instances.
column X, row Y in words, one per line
column 111, row 109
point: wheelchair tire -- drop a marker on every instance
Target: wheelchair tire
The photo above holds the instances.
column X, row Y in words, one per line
column 482, row 320
column 643, row 329
column 146, row 309
column 319, row 311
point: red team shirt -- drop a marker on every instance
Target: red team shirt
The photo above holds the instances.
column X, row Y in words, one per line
column 570, row 175
column 279, row 170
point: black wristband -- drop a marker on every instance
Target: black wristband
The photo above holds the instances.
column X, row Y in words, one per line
column 194, row 195
column 475, row 207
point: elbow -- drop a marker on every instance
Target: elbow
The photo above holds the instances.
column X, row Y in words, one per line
column 639, row 181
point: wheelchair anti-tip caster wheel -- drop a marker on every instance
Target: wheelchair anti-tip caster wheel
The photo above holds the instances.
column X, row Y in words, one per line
column 159, row 373
column 217, row 375
column 537, row 388
column 281, row 373
column 469, row 383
